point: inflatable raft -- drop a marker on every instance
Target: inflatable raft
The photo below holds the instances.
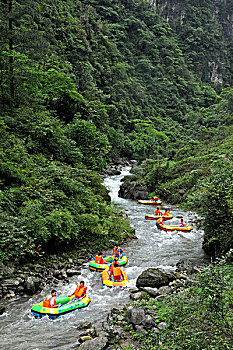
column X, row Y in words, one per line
column 100, row 267
column 53, row 312
column 174, row 228
column 150, row 201
column 107, row 280
column 156, row 217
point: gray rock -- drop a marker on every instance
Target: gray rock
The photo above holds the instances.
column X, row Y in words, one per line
column 132, row 189
column 73, row 272
column 165, row 290
column 135, row 316
column 153, row 292
column 64, row 274
column 31, row 285
column 85, row 338
column 135, row 296
column 162, row 325
column 185, row 265
column 134, row 290
column 57, row 273
column 140, row 330
column 154, row 278
column 11, row 283
column 89, row 332
column 84, row 325
column 94, row 344
column 148, row 322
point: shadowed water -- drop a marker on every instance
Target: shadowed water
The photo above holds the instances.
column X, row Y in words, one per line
column 152, row 248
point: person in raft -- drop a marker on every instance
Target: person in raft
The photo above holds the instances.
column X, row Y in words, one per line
column 166, row 213
column 157, row 211
column 115, row 261
column 117, row 252
column 79, row 293
column 116, row 272
column 50, row 299
column 159, row 222
column 182, row 223
column 155, row 198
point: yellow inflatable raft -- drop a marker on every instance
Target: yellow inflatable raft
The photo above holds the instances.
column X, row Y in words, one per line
column 156, row 217
column 174, row 227
column 149, row 201
column 107, row 280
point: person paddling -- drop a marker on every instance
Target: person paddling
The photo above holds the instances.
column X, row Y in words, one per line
column 50, row 299
column 117, row 252
column 79, row 293
column 116, row 272
column 157, row 211
column 166, row 213
column 115, row 261
column 182, row 223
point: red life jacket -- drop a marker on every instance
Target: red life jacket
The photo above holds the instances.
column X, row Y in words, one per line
column 182, row 224
column 47, row 301
column 99, row 259
column 79, row 291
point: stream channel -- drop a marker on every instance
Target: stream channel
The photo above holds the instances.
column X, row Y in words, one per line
column 152, row 248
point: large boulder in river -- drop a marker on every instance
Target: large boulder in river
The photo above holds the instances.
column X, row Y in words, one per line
column 132, row 189
column 32, row 285
column 154, row 278
column 2, row 309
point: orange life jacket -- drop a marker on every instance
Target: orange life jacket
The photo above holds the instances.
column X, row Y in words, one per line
column 99, row 259
column 116, row 271
column 112, row 266
column 166, row 213
column 157, row 212
column 79, row 291
column 47, row 301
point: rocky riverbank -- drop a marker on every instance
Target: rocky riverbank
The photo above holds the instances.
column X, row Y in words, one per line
column 136, row 318
column 32, row 278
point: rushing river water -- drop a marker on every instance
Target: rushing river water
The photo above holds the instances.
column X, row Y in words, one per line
column 152, row 248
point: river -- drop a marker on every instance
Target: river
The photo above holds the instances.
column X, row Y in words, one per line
column 152, row 248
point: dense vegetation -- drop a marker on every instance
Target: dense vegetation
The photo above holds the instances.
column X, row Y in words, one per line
column 83, row 83
column 205, row 35
column 200, row 173
column 199, row 317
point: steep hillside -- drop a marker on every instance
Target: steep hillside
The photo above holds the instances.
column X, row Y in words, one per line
column 205, row 32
